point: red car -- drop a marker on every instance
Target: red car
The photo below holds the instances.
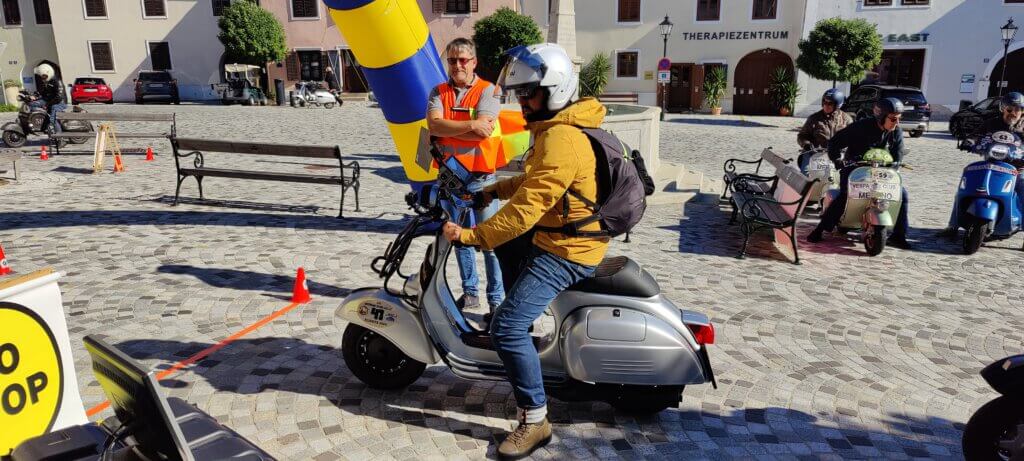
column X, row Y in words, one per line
column 91, row 89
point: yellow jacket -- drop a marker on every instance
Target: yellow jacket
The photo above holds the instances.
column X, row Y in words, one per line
column 561, row 159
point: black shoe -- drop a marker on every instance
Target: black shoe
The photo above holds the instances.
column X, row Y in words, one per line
column 467, row 302
column 815, row 236
column 949, row 232
column 898, row 242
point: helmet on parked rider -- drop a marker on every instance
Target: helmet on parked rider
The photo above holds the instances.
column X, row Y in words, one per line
column 44, row 71
column 886, row 106
column 1011, row 99
column 834, row 96
column 545, row 65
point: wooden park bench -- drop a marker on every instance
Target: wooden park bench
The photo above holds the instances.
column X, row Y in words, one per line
column 776, row 202
column 198, row 149
column 169, row 132
column 731, row 172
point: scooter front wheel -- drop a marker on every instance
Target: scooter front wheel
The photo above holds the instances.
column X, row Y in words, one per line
column 973, row 238
column 376, row 361
column 993, row 432
column 874, row 240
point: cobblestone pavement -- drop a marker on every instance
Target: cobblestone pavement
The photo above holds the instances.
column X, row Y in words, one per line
column 843, row 357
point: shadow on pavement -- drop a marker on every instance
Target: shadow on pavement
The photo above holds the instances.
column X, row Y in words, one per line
column 249, row 280
column 439, row 400
column 720, row 122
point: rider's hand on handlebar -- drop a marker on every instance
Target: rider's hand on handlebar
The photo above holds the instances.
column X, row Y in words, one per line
column 482, row 200
column 451, row 231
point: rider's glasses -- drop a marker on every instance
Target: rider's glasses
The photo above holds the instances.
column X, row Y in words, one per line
column 463, row 61
column 893, row 118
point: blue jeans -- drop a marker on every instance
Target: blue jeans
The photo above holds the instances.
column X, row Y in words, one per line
column 466, row 256
column 544, row 277
column 56, row 109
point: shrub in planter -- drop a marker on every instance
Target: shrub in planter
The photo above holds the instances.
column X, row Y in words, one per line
column 714, row 89
column 783, row 90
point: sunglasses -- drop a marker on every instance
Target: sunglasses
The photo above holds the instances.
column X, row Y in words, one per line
column 463, row 61
column 893, row 118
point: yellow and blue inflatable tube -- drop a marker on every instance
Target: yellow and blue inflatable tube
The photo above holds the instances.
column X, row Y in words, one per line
column 390, row 39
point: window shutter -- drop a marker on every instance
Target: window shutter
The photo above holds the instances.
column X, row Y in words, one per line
column 438, row 6
column 474, row 6
column 292, row 66
column 42, row 8
column 154, row 7
column 102, row 57
column 95, row 8
column 12, row 13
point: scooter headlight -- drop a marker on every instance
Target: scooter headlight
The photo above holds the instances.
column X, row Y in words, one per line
column 998, row 152
column 882, row 205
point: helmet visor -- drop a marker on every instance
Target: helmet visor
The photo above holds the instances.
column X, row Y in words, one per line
column 521, row 74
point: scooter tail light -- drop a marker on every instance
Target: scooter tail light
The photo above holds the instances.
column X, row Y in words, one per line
column 703, row 334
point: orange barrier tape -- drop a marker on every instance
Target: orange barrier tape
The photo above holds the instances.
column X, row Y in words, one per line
column 205, row 352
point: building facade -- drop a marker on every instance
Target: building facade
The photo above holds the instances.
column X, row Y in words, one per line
column 27, row 37
column 115, row 39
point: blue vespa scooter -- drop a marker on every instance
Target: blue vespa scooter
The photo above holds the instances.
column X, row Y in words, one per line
column 987, row 205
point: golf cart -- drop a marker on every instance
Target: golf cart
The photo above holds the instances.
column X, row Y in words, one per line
column 241, row 86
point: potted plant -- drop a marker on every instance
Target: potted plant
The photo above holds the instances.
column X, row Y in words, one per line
column 783, row 90
column 11, row 89
column 714, row 89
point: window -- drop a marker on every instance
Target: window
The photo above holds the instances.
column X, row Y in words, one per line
column 42, row 8
column 629, row 10
column 877, row 2
column 219, row 5
column 102, row 56
column 916, row 2
column 154, row 8
column 12, row 13
column 305, row 8
column 709, row 10
column 311, row 65
column 458, row 7
column 765, row 9
column 160, row 55
column 626, row 64
column 95, row 8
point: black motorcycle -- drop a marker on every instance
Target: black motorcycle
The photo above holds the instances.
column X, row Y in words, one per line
column 996, row 430
column 33, row 119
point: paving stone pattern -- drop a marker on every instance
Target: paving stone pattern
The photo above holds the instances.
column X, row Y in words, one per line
column 843, row 357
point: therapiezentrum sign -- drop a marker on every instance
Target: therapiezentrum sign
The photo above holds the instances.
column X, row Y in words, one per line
column 737, row 35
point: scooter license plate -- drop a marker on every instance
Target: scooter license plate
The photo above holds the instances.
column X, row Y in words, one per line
column 819, row 163
column 90, row 90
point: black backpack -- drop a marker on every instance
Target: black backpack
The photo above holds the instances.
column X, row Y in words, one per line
column 621, row 191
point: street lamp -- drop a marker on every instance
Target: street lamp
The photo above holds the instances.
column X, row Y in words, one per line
column 666, row 30
column 1008, row 31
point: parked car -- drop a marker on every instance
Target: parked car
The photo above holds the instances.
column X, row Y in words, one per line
column 240, row 86
column 156, row 85
column 970, row 116
column 91, row 89
column 916, row 111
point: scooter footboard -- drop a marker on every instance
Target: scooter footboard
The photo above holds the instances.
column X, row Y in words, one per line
column 614, row 345
column 388, row 316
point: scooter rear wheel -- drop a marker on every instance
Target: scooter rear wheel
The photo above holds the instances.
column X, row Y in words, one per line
column 13, row 138
column 973, row 238
column 992, row 430
column 376, row 361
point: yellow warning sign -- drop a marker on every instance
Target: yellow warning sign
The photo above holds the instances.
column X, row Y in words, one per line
column 31, row 376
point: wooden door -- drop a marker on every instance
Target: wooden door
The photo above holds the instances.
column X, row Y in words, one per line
column 1014, row 74
column 680, row 87
column 352, row 74
column 751, row 81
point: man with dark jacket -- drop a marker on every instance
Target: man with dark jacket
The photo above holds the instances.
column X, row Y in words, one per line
column 51, row 92
column 822, row 125
column 881, row 131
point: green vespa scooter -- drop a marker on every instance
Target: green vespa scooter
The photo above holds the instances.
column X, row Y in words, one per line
column 873, row 201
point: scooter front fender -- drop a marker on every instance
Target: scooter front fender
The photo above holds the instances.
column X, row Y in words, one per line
column 985, row 209
column 377, row 310
column 1006, row 376
column 876, row 217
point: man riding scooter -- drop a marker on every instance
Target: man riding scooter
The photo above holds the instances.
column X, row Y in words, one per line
column 822, row 125
column 881, row 131
column 1011, row 108
column 541, row 77
column 51, row 91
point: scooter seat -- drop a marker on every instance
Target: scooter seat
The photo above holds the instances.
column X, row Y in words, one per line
column 620, row 276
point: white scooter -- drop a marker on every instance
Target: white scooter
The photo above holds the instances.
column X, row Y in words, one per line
column 310, row 94
column 820, row 167
column 615, row 337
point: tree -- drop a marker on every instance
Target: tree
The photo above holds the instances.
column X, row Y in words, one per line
column 594, row 76
column 501, row 31
column 251, row 35
column 840, row 50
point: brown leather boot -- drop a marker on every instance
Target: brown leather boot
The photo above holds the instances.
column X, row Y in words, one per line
column 526, row 438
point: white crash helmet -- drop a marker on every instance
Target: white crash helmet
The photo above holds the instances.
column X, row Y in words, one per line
column 45, row 71
column 543, row 65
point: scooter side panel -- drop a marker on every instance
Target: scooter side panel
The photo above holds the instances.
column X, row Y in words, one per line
column 658, row 355
column 388, row 316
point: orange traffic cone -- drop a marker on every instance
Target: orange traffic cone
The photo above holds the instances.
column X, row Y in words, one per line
column 42, row 154
column 149, row 154
column 300, row 294
column 4, row 267
column 118, row 164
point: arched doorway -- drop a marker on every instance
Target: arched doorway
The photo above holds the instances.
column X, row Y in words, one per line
column 1014, row 74
column 751, row 81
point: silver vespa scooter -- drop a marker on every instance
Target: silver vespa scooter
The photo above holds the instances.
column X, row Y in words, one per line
column 615, row 337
